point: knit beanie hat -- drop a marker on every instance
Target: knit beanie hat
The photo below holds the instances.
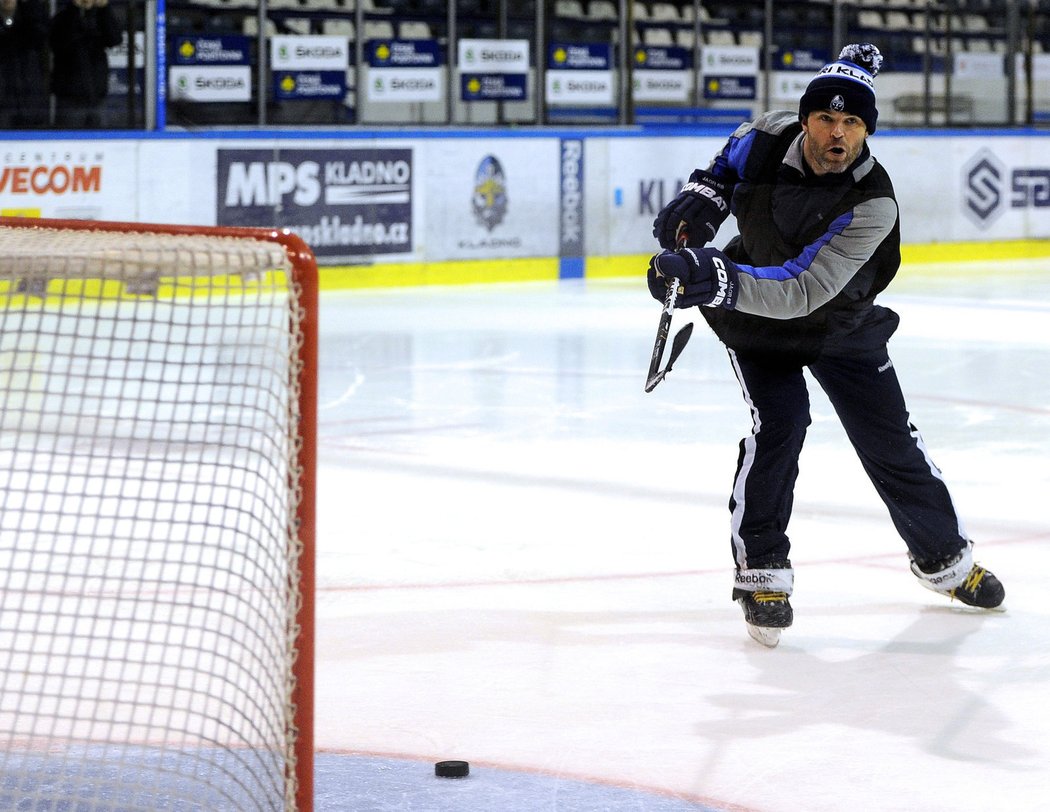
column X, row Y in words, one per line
column 846, row 85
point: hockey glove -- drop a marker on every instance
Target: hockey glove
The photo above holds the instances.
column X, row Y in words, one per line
column 705, row 276
column 701, row 205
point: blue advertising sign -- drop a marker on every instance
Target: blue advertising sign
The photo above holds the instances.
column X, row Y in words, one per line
column 804, row 59
column 404, row 53
column 344, row 203
column 492, row 86
column 309, row 84
column 663, row 58
column 229, row 49
column 730, row 87
column 561, row 56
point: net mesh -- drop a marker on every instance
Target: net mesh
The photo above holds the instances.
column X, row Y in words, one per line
column 148, row 549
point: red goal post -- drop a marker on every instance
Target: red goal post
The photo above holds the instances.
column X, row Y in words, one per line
column 157, row 524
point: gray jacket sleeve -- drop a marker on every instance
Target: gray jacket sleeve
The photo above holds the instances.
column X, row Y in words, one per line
column 822, row 270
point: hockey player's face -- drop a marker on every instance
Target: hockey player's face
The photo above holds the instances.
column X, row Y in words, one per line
column 833, row 140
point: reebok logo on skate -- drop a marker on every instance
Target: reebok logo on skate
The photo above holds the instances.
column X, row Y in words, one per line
column 953, row 575
column 754, row 578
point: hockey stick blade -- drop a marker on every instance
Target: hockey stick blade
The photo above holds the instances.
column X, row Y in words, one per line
column 680, row 340
column 664, row 328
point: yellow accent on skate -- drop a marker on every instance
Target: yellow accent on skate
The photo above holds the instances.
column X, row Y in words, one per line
column 973, row 579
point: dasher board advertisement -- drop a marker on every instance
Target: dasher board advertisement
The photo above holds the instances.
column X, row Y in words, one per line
column 345, row 203
column 80, row 180
column 490, row 198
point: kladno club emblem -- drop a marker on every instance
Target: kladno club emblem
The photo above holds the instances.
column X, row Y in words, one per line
column 490, row 193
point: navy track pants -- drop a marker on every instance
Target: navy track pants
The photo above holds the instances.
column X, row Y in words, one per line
column 866, row 395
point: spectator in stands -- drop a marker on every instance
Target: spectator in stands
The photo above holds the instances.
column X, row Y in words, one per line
column 80, row 34
column 23, row 63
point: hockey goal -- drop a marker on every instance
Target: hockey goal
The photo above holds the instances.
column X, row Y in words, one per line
column 157, row 444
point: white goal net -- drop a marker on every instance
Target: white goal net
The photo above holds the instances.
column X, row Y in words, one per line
column 155, row 603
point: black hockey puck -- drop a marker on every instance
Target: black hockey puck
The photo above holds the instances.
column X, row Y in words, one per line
column 452, row 769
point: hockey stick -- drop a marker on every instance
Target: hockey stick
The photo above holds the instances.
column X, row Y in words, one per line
column 680, row 340
column 663, row 330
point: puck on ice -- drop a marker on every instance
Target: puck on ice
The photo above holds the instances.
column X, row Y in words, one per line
column 452, row 769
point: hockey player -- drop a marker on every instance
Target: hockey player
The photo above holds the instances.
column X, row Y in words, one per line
column 819, row 239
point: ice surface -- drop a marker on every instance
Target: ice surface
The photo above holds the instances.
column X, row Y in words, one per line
column 524, row 562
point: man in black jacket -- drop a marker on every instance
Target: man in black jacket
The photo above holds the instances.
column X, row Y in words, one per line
column 23, row 62
column 819, row 240
column 80, row 34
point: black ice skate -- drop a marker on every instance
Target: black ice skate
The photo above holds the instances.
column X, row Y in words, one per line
column 979, row 588
column 766, row 614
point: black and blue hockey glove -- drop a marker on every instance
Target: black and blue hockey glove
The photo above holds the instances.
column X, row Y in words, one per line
column 706, row 277
column 702, row 206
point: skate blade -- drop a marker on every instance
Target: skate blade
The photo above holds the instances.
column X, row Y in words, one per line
column 765, row 635
column 959, row 606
